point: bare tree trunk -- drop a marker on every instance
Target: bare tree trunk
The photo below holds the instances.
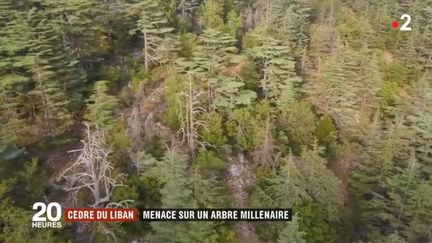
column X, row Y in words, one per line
column 190, row 117
column 146, row 59
column 303, row 60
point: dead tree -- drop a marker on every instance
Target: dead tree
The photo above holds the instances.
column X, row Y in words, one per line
column 93, row 172
column 189, row 117
column 264, row 155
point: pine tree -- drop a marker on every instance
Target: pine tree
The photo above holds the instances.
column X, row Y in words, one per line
column 228, row 93
column 151, row 25
column 101, row 107
column 211, row 14
column 173, row 91
column 289, row 23
column 46, row 43
column 234, row 22
column 214, row 132
column 208, row 191
column 383, row 156
column 320, row 183
column 48, row 97
column 291, row 232
column 299, row 125
column 264, row 155
column 419, row 111
column 287, row 186
column 14, row 44
column 280, row 81
column 246, row 125
column 178, row 192
column 54, row 116
column 82, row 23
column 214, row 51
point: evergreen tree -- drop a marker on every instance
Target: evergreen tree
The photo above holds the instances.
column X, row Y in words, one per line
column 178, row 192
column 211, row 14
column 291, row 232
column 101, row 107
column 234, row 22
column 320, row 182
column 14, row 43
column 46, row 43
column 299, row 125
column 287, row 186
column 82, row 23
column 384, row 155
column 214, row 132
column 246, row 125
column 279, row 80
column 151, row 25
column 49, row 99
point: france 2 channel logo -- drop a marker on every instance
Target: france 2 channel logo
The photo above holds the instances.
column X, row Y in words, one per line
column 47, row 215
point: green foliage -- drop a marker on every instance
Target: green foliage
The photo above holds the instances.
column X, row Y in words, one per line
column 174, row 86
column 389, row 93
column 16, row 193
column 214, row 132
column 211, row 12
column 299, row 124
column 208, row 159
column 250, row 76
column 234, row 22
column 325, row 131
column 213, row 52
column 314, row 223
column 289, row 22
column 87, row 35
column 279, row 79
column 291, row 232
column 209, row 191
column 113, row 75
column 101, row 107
column 178, row 191
column 188, row 43
column 350, row 30
column 122, row 193
column 48, row 97
column 246, row 125
column 15, row 225
column 172, row 173
column 253, row 38
column 229, row 94
column 285, row 188
column 152, row 27
column 320, row 182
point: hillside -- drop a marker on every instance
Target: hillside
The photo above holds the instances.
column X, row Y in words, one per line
column 322, row 106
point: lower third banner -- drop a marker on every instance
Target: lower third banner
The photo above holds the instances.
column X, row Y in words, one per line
column 243, row 214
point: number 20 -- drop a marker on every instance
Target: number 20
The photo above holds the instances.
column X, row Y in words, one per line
column 405, row 27
column 48, row 209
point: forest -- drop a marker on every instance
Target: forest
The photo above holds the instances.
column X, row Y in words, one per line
column 315, row 105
